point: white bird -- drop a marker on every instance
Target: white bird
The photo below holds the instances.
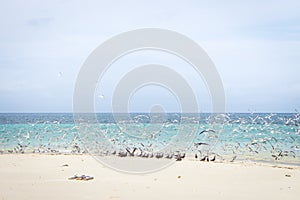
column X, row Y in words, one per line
column 101, row 96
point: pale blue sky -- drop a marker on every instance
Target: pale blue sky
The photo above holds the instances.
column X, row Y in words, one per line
column 255, row 47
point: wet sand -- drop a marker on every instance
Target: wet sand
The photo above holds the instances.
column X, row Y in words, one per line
column 35, row 176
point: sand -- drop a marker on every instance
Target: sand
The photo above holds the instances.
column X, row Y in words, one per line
column 36, row 176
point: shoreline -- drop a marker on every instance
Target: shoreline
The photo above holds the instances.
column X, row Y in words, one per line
column 189, row 157
column 36, row 176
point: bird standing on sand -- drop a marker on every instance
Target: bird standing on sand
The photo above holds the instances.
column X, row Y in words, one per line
column 131, row 153
column 204, row 158
column 233, row 159
column 159, row 155
column 122, row 154
column 213, row 159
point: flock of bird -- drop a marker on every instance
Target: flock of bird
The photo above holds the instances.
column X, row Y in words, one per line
column 260, row 135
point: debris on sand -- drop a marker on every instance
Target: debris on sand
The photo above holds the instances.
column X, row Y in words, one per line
column 81, row 178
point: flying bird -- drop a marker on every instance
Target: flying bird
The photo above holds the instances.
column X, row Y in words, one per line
column 207, row 131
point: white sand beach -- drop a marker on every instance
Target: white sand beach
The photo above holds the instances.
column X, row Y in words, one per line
column 35, row 176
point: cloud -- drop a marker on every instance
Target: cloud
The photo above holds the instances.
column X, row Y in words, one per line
column 38, row 22
column 255, row 46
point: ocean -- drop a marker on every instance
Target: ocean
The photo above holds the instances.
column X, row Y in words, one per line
column 269, row 137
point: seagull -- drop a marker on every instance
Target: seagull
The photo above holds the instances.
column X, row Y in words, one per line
column 206, row 131
column 294, row 154
column 131, row 153
column 159, row 155
column 213, row 159
column 145, row 155
column 101, row 96
column 179, row 156
column 199, row 144
column 169, row 156
column 233, row 159
column 204, row 158
column 122, row 154
column 274, row 156
column 140, row 154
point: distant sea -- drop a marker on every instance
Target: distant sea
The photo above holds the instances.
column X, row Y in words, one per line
column 271, row 137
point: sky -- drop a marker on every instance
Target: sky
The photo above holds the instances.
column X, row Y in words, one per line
column 255, row 46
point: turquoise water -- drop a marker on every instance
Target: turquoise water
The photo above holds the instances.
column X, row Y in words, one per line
column 266, row 137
